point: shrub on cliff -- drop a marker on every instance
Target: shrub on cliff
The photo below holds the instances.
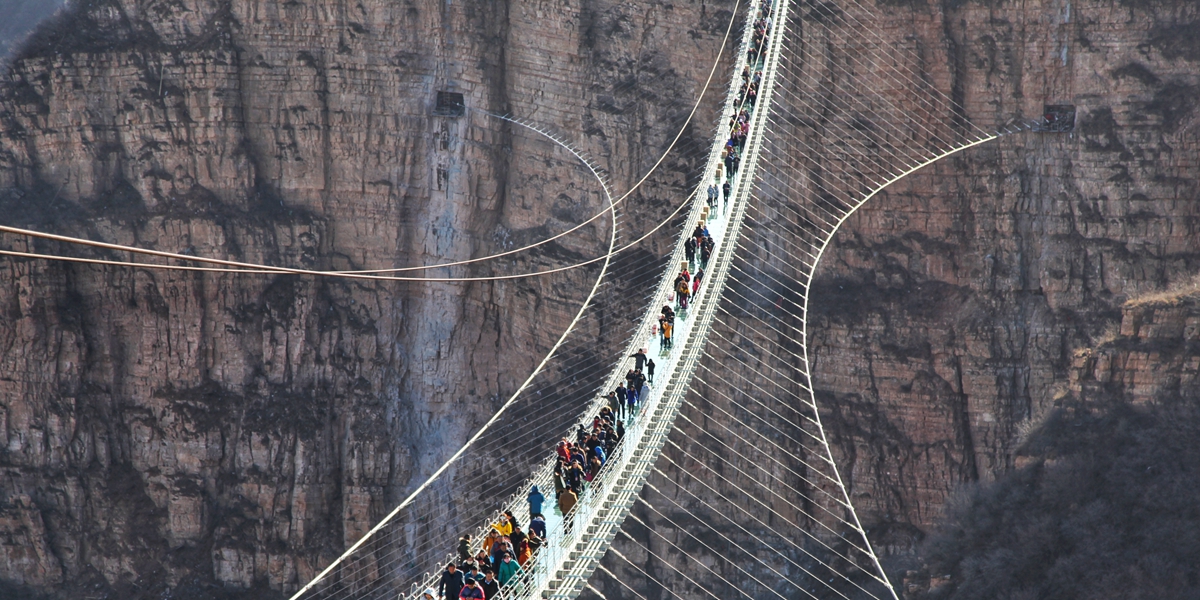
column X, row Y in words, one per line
column 1108, row 508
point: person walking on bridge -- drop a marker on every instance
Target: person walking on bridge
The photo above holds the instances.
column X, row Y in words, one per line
column 535, row 499
column 464, row 548
column 451, row 583
column 518, row 537
column 510, row 571
column 639, row 359
column 491, row 587
column 631, row 390
column 650, row 370
column 471, row 591
column 682, row 292
column 538, row 525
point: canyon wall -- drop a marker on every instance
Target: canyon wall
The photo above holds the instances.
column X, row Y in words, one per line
column 947, row 316
column 229, row 434
column 224, row 433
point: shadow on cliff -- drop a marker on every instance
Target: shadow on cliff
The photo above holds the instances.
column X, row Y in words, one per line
column 1106, row 507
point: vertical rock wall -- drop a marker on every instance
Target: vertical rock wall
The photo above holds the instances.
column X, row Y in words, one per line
column 949, row 312
column 947, row 315
column 182, row 431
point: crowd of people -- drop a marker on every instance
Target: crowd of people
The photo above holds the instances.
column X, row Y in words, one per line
column 507, row 548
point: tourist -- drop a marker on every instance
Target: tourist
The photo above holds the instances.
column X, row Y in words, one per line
column 509, row 570
column 538, row 526
column 535, row 499
column 464, row 548
column 471, row 591
column 491, row 587
column 452, row 582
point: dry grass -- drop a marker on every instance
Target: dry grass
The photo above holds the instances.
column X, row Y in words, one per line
column 1175, row 295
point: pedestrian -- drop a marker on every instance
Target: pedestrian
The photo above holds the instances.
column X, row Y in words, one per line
column 451, row 583
column 492, row 537
column 523, row 552
column 473, row 573
column 534, row 541
column 511, row 519
column 667, row 342
column 509, row 570
column 566, row 501
column 491, row 587
column 726, row 188
column 682, row 292
column 650, row 369
column 538, row 524
column 689, row 250
column 464, row 548
column 639, row 359
column 471, row 591
column 696, row 281
column 518, row 537
column 499, row 548
column 503, row 526
column 560, row 477
column 622, row 395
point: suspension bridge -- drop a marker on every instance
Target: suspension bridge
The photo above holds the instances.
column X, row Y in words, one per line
column 729, row 442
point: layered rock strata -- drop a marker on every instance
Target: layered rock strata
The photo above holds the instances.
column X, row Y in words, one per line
column 181, row 431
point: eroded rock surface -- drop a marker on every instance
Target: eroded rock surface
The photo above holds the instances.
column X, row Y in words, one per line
column 166, row 430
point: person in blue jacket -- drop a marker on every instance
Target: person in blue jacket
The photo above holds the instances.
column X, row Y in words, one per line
column 538, row 525
column 535, row 501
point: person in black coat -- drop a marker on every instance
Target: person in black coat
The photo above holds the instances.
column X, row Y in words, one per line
column 491, row 586
column 452, row 582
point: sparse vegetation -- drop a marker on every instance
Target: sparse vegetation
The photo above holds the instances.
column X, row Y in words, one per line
column 1109, row 508
column 1173, row 296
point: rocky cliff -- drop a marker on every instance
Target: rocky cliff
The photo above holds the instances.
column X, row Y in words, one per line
column 179, row 432
column 1099, row 504
column 948, row 313
column 185, row 432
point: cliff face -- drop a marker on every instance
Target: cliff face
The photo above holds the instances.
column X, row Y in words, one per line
column 167, row 430
column 949, row 312
column 183, row 431
column 1099, row 505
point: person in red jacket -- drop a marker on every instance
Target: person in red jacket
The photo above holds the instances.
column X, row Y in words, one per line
column 471, row 591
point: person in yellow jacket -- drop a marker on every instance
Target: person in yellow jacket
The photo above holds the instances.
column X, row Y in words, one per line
column 503, row 526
